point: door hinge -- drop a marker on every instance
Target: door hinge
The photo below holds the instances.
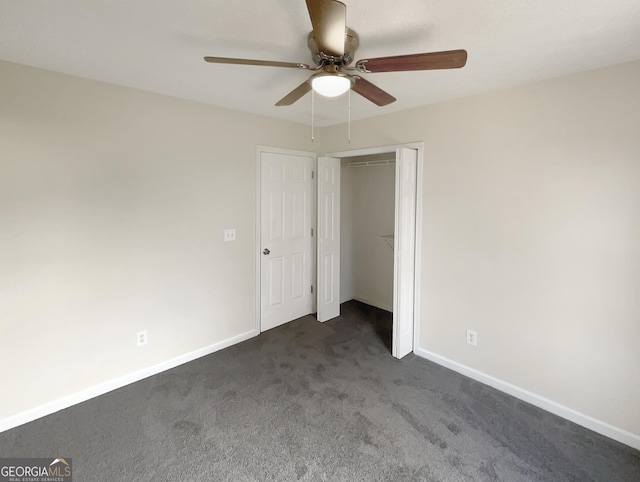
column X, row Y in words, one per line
column 312, row 288
column 311, row 174
column 312, row 232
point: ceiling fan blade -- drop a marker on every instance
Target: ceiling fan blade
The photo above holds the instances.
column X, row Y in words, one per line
column 371, row 92
column 295, row 94
column 449, row 59
column 329, row 21
column 268, row 63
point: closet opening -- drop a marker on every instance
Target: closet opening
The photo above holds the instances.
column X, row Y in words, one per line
column 367, row 239
column 402, row 198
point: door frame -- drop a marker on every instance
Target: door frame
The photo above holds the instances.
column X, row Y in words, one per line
column 314, row 194
column 418, row 146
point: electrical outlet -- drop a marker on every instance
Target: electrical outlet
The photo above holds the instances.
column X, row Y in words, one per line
column 142, row 338
column 229, row 234
column 472, row 338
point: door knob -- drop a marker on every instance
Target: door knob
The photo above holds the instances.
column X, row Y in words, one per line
column 265, row 251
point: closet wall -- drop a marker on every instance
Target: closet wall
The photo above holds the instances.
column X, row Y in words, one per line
column 367, row 214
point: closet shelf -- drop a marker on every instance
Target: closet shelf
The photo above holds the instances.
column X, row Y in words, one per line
column 372, row 163
column 389, row 239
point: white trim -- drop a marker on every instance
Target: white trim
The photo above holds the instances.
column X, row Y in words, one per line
column 367, row 301
column 417, row 296
column 603, row 428
column 105, row 387
column 257, row 273
column 376, row 150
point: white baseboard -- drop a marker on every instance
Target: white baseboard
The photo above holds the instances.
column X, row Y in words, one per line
column 615, row 433
column 377, row 304
column 105, row 387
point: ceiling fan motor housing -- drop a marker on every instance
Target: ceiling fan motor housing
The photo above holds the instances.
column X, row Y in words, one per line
column 351, row 44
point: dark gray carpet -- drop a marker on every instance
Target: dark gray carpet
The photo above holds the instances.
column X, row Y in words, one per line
column 315, row 401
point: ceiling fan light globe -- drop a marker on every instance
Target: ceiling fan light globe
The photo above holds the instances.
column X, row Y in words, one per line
column 331, row 85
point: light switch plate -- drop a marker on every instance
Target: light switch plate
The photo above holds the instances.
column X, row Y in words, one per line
column 229, row 234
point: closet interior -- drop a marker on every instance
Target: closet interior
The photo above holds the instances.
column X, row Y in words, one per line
column 367, row 225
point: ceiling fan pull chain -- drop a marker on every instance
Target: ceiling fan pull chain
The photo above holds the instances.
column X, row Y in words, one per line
column 313, row 105
column 349, row 119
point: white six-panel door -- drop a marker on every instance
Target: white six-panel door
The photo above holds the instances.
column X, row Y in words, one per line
column 328, row 301
column 286, row 243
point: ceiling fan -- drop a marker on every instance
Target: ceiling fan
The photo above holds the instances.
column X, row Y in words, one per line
column 333, row 46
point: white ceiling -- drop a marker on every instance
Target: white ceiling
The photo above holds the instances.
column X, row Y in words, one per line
column 158, row 45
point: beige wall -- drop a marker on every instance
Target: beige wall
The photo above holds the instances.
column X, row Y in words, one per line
column 113, row 204
column 531, row 234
